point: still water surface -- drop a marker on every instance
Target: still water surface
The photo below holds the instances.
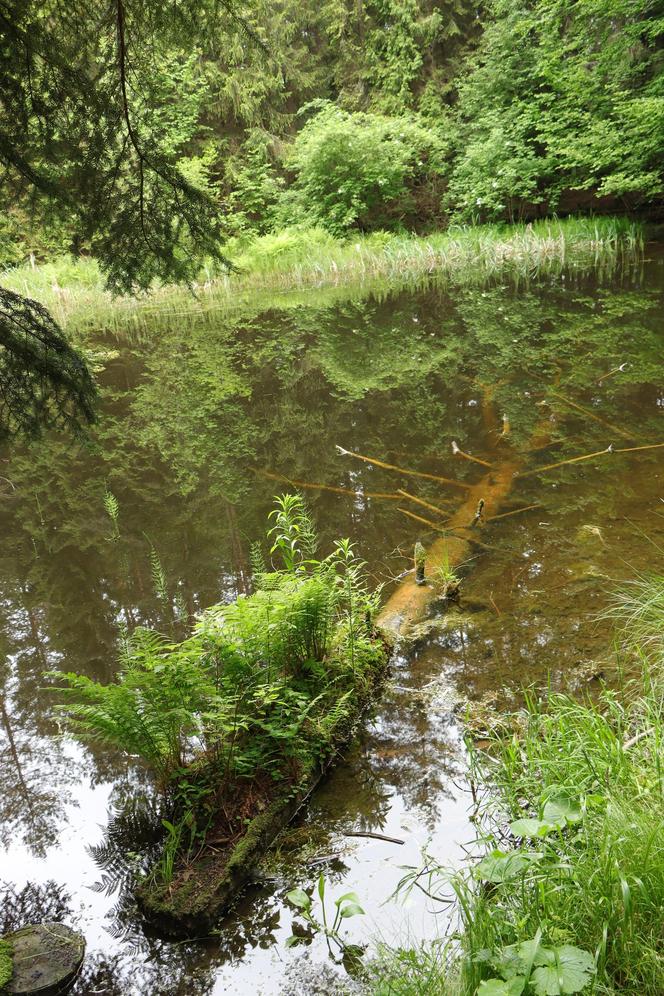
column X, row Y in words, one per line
column 200, row 423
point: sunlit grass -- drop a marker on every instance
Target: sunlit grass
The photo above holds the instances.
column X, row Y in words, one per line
column 299, row 260
column 590, row 877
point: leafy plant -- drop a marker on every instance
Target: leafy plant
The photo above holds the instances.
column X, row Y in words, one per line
column 345, row 907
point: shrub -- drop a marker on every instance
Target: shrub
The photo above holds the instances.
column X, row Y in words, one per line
column 362, row 171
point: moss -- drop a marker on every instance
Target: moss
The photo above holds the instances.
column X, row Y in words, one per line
column 6, row 963
column 194, row 901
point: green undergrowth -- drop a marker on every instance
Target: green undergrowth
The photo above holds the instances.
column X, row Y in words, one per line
column 299, row 259
column 258, row 697
column 565, row 889
column 6, row 965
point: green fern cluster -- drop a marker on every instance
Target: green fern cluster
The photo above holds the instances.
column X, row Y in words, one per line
column 260, row 688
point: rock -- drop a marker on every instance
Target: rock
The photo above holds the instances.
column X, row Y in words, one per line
column 46, row 958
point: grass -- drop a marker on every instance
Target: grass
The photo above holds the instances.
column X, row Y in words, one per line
column 567, row 890
column 6, row 964
column 302, row 259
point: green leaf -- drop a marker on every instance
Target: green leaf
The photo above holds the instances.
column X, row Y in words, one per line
column 321, row 887
column 291, row 941
column 562, row 970
column 351, row 897
column 351, row 909
column 531, row 828
column 499, row 987
column 561, row 807
column 299, row 898
column 502, row 866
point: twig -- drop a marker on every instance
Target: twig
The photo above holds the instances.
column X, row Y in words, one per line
column 375, row 836
column 403, row 470
column 420, row 501
column 498, row 612
column 388, row 495
column 620, row 369
column 633, row 741
column 596, row 418
column 503, row 515
column 466, row 456
column 590, row 456
column 419, row 518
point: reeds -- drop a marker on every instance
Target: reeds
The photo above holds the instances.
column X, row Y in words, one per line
column 299, row 259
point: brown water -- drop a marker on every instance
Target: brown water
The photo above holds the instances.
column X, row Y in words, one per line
column 194, row 420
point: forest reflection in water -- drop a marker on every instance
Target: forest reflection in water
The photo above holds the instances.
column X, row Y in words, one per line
column 197, row 429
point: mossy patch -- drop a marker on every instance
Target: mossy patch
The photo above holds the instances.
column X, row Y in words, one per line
column 6, row 963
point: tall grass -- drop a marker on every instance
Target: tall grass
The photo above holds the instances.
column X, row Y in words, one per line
column 302, row 259
column 567, row 892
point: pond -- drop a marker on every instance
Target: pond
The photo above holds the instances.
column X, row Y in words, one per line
column 203, row 421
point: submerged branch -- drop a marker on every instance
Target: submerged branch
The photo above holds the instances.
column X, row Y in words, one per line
column 403, row 470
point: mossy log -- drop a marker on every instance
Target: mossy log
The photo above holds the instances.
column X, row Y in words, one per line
column 203, row 890
column 194, row 902
column 409, row 602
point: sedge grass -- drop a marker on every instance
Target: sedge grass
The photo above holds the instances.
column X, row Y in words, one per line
column 591, row 875
column 297, row 260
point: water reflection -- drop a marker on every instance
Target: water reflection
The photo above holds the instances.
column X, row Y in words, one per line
column 190, row 425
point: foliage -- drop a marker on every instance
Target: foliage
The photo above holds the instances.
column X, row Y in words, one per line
column 6, row 962
column 566, row 892
column 361, row 170
column 44, row 382
column 261, row 686
column 561, row 98
column 345, row 907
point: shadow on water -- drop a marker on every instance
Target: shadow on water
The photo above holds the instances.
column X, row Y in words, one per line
column 190, row 426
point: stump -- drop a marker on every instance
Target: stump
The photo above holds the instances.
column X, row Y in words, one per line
column 46, row 958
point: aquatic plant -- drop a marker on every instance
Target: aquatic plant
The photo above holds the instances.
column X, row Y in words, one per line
column 73, row 290
column 345, row 907
column 567, row 888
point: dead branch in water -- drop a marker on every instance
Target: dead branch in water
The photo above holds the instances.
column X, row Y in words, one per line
column 515, row 511
column 595, row 418
column 403, row 470
column 387, row 495
column 374, row 836
column 467, row 456
column 419, row 518
column 590, row 456
column 420, row 501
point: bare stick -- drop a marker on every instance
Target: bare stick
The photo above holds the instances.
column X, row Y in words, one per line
column 633, row 741
column 388, row 495
column 620, row 369
column 563, row 463
column 402, row 470
column 376, row 836
column 466, row 456
column 590, row 456
column 635, row 449
column 419, row 518
column 595, row 418
column 515, row 511
column 420, row 501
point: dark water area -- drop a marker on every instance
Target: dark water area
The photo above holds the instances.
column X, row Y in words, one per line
column 201, row 424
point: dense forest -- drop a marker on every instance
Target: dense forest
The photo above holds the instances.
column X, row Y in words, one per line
column 347, row 114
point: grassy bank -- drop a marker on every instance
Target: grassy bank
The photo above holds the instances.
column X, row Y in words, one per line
column 567, row 890
column 304, row 259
